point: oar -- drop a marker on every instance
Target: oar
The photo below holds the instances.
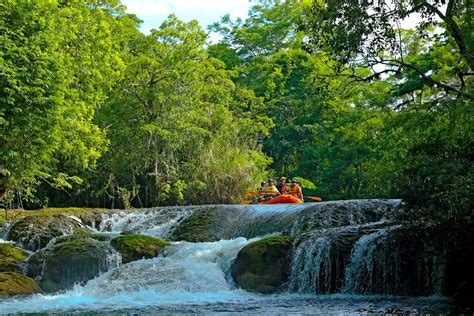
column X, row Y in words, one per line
column 245, row 201
column 314, row 198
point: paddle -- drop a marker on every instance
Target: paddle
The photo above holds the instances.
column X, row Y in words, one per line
column 314, row 198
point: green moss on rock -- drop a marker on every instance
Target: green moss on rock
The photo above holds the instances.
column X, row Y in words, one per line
column 84, row 235
column 263, row 266
column 35, row 232
column 12, row 283
column 196, row 227
column 91, row 218
column 11, row 258
column 71, row 260
column 135, row 247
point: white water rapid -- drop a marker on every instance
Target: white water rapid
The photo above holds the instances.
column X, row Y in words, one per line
column 186, row 273
column 191, row 278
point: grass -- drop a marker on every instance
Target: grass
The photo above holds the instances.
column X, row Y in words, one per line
column 18, row 213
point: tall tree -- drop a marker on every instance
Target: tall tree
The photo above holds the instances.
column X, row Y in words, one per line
column 176, row 124
column 57, row 63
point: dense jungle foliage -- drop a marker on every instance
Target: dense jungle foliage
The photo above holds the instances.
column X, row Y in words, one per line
column 96, row 113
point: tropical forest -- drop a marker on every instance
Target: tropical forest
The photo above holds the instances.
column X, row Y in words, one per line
column 130, row 160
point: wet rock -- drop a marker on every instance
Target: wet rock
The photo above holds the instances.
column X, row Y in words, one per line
column 135, row 247
column 11, row 258
column 342, row 213
column 209, row 223
column 35, row 232
column 378, row 258
column 71, row 260
column 12, row 283
column 321, row 257
column 92, row 218
column 263, row 266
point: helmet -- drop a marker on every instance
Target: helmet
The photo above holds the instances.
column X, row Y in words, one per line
column 270, row 180
column 294, row 180
column 282, row 178
column 263, row 183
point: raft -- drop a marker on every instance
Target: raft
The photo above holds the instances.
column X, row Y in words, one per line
column 284, row 198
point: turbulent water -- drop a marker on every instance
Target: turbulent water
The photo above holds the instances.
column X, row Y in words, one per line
column 195, row 278
column 192, row 277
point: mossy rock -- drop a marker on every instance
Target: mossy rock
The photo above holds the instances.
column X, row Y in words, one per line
column 209, row 223
column 263, row 266
column 11, row 258
column 91, row 218
column 35, row 232
column 196, row 227
column 12, row 283
column 84, row 234
column 135, row 247
column 71, row 260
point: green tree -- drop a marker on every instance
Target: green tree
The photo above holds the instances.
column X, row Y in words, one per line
column 176, row 124
column 57, row 63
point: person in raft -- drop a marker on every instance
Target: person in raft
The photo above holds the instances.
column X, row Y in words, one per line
column 271, row 191
column 281, row 186
column 295, row 189
column 260, row 192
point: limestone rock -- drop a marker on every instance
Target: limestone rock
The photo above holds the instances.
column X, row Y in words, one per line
column 35, row 232
column 70, row 260
column 263, row 266
column 135, row 247
column 209, row 223
column 11, row 258
column 12, row 283
column 91, row 218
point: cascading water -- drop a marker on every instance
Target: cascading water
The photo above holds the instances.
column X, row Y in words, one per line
column 311, row 271
column 186, row 273
column 359, row 276
column 156, row 222
column 194, row 277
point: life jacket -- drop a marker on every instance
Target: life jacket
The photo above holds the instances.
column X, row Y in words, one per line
column 271, row 189
column 261, row 190
column 295, row 190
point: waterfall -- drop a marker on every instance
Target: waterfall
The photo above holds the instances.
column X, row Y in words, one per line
column 311, row 271
column 342, row 213
column 321, row 257
column 183, row 267
column 156, row 222
column 4, row 227
column 359, row 273
column 342, row 249
column 231, row 221
column 185, row 273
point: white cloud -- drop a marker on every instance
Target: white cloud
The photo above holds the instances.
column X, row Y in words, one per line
column 153, row 12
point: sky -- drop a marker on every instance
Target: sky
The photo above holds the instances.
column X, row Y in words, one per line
column 154, row 12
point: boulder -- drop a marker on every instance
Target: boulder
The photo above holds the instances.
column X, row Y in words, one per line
column 263, row 266
column 35, row 232
column 91, row 218
column 377, row 258
column 11, row 258
column 71, row 260
column 196, row 227
column 342, row 213
column 12, row 283
column 209, row 223
column 135, row 247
